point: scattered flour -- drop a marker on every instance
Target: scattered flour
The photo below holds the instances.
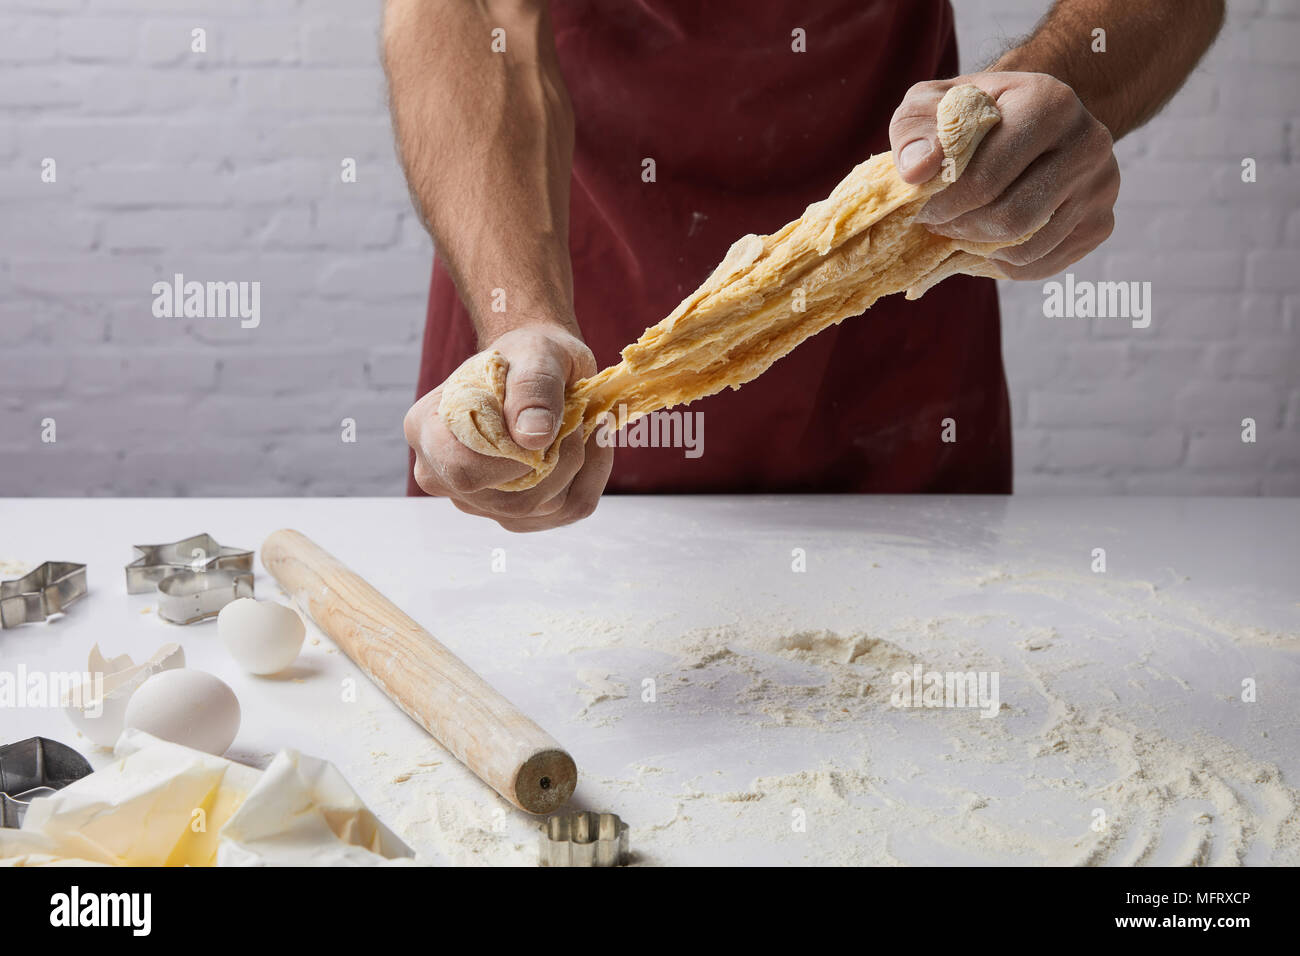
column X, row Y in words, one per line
column 1136, row 795
column 599, row 686
column 468, row 831
column 1073, row 771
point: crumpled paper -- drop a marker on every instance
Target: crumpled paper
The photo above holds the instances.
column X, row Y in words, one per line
column 161, row 804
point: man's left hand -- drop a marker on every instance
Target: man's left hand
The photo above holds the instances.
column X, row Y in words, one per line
column 1049, row 163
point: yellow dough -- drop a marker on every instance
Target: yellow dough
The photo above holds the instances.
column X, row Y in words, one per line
column 766, row 296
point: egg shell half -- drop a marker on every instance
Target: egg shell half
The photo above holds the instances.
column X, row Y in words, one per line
column 263, row 636
column 100, row 717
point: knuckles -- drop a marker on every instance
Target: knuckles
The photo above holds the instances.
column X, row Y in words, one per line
column 916, row 108
column 923, row 88
column 1096, row 148
column 533, row 385
column 1102, row 228
column 1008, row 223
column 584, row 507
column 426, row 479
column 413, row 424
column 1055, row 99
column 1111, row 182
column 1017, row 255
column 1061, row 98
column 517, row 504
column 460, row 476
column 919, row 93
column 977, row 187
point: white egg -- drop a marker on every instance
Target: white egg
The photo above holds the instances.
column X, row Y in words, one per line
column 187, row 707
column 263, row 636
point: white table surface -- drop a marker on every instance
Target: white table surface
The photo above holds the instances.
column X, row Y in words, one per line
column 1148, row 657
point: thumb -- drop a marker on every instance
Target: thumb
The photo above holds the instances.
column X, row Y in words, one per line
column 534, row 406
column 914, row 135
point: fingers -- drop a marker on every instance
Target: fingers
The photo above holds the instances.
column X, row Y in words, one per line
column 1086, row 216
column 914, row 135
column 443, row 466
column 1035, row 114
column 543, row 498
column 1048, row 169
column 534, row 405
column 1025, row 205
column 543, row 361
column 1063, row 222
column 579, row 500
column 546, row 361
column 424, row 406
column 1087, row 235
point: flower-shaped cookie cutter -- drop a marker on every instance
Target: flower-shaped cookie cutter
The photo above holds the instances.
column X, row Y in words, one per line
column 584, row 838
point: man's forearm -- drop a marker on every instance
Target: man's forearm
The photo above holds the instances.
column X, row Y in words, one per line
column 1151, row 47
column 486, row 139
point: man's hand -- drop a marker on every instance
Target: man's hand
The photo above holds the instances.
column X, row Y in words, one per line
column 1049, row 163
column 486, row 140
column 543, row 360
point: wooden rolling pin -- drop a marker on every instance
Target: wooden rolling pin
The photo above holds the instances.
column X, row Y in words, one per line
column 484, row 731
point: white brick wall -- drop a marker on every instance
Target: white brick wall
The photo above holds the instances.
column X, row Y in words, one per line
column 1101, row 407
column 225, row 166
column 222, row 166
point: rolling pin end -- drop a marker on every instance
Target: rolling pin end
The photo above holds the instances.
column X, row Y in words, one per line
column 545, row 781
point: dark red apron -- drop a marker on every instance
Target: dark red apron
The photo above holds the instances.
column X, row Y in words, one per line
column 745, row 133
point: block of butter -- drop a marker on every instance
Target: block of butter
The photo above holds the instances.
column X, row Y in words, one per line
column 161, row 804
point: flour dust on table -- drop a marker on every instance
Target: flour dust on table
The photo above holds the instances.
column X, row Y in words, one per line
column 1115, row 778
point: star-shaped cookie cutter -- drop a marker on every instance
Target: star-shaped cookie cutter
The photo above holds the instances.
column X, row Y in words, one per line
column 48, row 589
column 198, row 553
column 194, row 577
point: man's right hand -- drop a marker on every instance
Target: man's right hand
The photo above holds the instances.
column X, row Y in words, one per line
column 543, row 360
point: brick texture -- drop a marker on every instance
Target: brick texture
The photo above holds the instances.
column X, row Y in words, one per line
column 1103, row 408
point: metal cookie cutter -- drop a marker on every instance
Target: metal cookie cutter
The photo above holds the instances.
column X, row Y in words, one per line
column 37, row 594
column 31, row 768
column 199, row 553
column 584, row 839
column 195, row 577
column 188, row 597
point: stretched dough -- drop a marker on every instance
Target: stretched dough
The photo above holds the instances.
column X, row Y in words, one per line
column 767, row 295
